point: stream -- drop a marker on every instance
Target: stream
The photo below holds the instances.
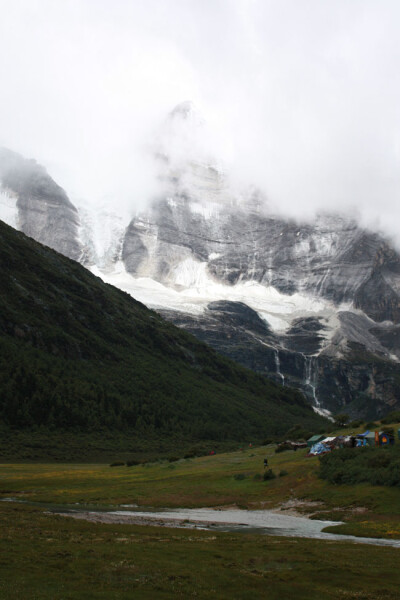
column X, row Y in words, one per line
column 265, row 522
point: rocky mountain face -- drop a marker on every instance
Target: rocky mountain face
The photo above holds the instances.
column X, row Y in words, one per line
column 31, row 201
column 314, row 305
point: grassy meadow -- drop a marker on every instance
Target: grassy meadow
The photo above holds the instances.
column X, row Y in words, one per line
column 234, row 478
column 44, row 556
column 49, row 557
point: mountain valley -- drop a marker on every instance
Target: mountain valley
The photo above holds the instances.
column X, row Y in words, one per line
column 314, row 305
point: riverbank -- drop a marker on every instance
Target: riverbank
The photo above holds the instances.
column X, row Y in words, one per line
column 262, row 522
column 230, row 479
column 51, row 557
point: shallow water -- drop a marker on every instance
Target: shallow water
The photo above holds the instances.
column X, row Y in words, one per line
column 265, row 522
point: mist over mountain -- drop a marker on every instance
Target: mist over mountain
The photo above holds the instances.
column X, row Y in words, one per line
column 313, row 304
column 300, row 102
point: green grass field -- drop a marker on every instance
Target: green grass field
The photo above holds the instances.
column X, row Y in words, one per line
column 49, row 557
column 44, row 556
column 234, row 478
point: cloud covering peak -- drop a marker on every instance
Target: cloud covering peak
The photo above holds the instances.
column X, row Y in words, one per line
column 299, row 97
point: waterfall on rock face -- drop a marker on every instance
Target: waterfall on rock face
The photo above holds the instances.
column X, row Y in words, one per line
column 278, row 366
column 310, row 380
column 311, row 377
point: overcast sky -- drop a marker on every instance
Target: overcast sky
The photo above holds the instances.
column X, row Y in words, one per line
column 302, row 97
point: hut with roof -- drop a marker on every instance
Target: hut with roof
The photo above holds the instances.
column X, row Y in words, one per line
column 315, row 439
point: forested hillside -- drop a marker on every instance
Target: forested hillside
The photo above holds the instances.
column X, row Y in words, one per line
column 80, row 356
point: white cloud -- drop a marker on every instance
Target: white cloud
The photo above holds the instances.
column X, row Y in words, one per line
column 302, row 96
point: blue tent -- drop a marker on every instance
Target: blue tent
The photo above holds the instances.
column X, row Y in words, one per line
column 319, row 449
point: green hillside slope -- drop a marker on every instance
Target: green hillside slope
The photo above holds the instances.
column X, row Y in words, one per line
column 80, row 356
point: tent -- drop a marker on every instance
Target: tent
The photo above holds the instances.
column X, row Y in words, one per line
column 314, row 440
column 370, row 438
column 366, row 439
column 319, row 448
column 385, row 438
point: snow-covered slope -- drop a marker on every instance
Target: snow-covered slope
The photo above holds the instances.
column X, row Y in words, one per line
column 101, row 235
column 190, row 288
column 8, row 208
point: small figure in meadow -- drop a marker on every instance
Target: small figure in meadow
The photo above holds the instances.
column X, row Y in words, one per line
column 265, row 462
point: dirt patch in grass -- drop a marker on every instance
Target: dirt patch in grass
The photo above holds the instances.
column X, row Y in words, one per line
column 110, row 518
column 300, row 508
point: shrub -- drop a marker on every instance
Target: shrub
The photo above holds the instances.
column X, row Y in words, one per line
column 389, row 430
column 377, row 466
column 282, row 473
column 298, row 432
column 393, row 417
column 283, row 447
column 378, row 460
column 239, row 476
column 341, row 419
column 257, row 477
column 356, row 423
column 269, row 474
column 173, row 459
column 117, row 464
column 190, row 454
column 133, row 463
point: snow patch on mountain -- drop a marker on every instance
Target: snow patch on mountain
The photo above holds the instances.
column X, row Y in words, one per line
column 207, row 210
column 191, row 288
column 190, row 273
column 101, row 234
column 8, row 207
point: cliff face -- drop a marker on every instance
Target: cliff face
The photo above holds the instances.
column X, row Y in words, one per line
column 331, row 259
column 314, row 305
column 354, row 379
column 32, row 201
